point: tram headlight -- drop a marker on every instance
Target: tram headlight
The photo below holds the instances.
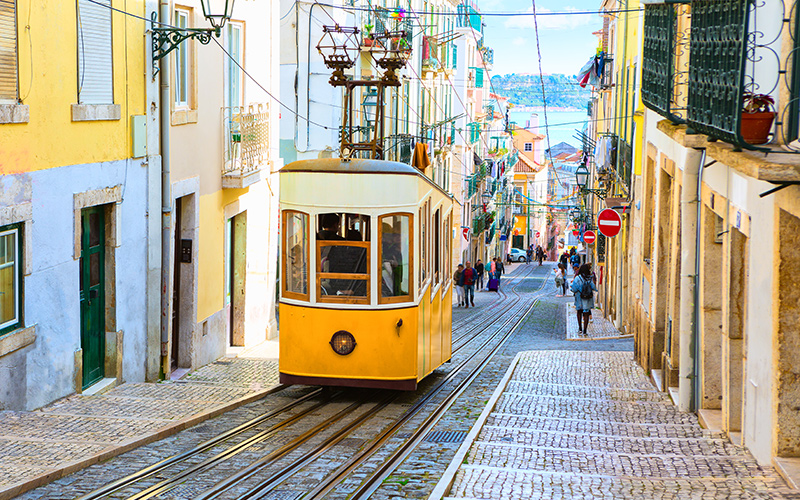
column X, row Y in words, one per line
column 343, row 342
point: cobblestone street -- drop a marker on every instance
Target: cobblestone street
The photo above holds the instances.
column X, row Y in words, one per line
column 571, row 424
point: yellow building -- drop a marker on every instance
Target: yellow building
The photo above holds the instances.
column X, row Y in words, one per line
column 78, row 282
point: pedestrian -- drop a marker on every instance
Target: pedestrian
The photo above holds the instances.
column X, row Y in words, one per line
column 575, row 260
column 479, row 269
column 564, row 259
column 492, row 270
column 470, row 275
column 500, row 271
column 529, row 254
column 584, row 289
column 458, row 279
column 560, row 280
column 539, row 254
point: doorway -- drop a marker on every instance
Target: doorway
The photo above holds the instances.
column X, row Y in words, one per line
column 92, row 294
column 236, row 272
column 176, row 291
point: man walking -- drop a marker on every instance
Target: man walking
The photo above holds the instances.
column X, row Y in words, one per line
column 458, row 280
column 479, row 270
column 500, row 270
column 529, row 254
column 470, row 275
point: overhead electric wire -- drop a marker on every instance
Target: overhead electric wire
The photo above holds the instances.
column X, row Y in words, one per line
column 501, row 14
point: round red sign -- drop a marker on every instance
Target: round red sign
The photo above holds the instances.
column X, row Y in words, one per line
column 589, row 237
column 575, row 233
column 538, row 234
column 609, row 222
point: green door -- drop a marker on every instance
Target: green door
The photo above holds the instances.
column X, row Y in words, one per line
column 92, row 283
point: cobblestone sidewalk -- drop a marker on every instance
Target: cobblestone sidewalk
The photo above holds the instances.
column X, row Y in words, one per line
column 599, row 327
column 40, row 446
column 580, row 424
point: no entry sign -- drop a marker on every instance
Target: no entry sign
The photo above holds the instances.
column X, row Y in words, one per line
column 538, row 234
column 589, row 237
column 609, row 222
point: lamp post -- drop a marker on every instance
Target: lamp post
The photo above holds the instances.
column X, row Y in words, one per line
column 166, row 38
column 582, row 179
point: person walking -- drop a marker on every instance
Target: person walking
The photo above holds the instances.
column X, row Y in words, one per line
column 479, row 269
column 458, row 280
column 500, row 270
column 560, row 281
column 492, row 270
column 564, row 260
column 470, row 275
column 575, row 260
column 583, row 288
column 539, row 254
column 529, row 254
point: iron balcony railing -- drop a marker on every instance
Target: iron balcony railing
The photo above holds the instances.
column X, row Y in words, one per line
column 399, row 147
column 468, row 16
column 382, row 21
column 700, row 60
column 246, row 141
column 488, row 55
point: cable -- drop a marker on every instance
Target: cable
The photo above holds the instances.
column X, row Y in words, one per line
column 503, row 14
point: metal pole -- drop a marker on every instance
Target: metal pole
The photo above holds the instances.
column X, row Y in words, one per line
column 166, row 206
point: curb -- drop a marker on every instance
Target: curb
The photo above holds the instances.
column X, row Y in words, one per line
column 68, row 468
column 442, row 488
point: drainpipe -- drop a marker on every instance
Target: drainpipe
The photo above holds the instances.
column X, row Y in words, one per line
column 166, row 205
column 690, row 273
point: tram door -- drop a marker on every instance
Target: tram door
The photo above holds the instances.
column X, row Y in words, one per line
column 236, row 271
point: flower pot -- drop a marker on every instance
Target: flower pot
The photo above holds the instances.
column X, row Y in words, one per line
column 756, row 126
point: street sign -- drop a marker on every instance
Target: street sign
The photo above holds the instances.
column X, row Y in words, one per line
column 589, row 237
column 465, row 232
column 538, row 234
column 609, row 222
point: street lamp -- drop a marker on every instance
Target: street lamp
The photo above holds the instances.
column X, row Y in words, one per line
column 370, row 105
column 582, row 179
column 166, row 38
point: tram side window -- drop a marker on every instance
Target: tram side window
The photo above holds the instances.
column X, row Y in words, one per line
column 395, row 258
column 343, row 257
column 295, row 245
column 437, row 248
column 423, row 242
column 446, row 240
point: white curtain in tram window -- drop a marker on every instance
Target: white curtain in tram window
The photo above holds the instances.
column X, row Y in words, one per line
column 8, row 277
column 95, row 65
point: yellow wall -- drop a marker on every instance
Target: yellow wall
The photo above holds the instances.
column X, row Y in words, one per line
column 49, row 48
column 211, row 251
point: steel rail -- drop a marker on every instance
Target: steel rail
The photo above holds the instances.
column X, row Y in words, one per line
column 168, row 462
column 340, row 474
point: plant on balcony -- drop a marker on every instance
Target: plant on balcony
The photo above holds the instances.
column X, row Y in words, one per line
column 367, row 39
column 757, row 117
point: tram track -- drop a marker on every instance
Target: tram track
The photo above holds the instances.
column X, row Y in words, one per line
column 264, row 486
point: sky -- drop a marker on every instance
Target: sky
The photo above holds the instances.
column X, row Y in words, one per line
column 566, row 40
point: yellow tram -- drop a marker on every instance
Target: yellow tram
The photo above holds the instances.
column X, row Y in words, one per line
column 366, row 277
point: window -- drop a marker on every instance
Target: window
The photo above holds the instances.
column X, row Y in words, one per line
column 233, row 95
column 8, row 51
column 295, row 255
column 395, row 258
column 10, row 282
column 446, row 240
column 437, row 246
column 343, row 258
column 95, row 66
column 528, row 147
column 182, row 84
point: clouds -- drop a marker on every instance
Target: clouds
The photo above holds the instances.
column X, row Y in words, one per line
column 519, row 41
column 552, row 22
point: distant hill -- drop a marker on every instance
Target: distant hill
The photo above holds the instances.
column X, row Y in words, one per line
column 525, row 90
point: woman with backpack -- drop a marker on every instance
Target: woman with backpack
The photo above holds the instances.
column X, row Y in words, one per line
column 583, row 287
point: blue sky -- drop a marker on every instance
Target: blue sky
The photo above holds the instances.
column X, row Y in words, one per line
column 566, row 40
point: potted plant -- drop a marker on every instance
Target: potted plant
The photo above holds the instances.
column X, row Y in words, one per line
column 757, row 117
column 367, row 39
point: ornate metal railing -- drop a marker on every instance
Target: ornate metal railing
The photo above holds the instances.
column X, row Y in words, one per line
column 658, row 67
column 468, row 16
column 399, row 147
column 246, row 141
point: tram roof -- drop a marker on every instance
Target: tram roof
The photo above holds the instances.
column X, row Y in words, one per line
column 354, row 166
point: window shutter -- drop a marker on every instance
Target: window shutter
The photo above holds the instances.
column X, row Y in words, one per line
column 8, row 50
column 95, row 68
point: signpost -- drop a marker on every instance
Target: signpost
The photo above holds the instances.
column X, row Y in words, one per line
column 609, row 222
column 589, row 237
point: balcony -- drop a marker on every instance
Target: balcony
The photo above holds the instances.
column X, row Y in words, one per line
column 246, row 144
column 699, row 65
column 430, row 54
column 468, row 17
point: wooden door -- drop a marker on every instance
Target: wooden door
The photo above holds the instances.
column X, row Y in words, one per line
column 92, row 294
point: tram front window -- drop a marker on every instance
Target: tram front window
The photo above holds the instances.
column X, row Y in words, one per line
column 343, row 257
column 295, row 244
column 395, row 258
